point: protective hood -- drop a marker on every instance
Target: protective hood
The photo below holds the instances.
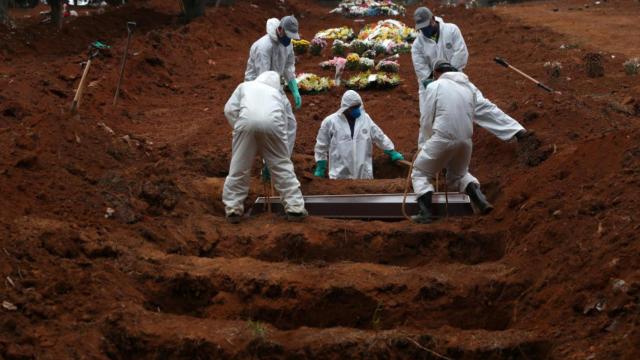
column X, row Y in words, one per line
column 456, row 76
column 349, row 99
column 272, row 26
column 270, row 78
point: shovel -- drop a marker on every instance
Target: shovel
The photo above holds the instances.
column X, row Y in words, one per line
column 504, row 63
column 94, row 50
column 130, row 27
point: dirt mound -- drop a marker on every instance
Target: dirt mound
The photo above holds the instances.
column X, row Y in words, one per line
column 41, row 41
column 113, row 239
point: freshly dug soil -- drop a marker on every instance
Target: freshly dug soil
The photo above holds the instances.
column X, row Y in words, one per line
column 113, row 242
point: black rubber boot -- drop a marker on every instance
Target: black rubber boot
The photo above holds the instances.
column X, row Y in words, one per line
column 424, row 213
column 478, row 199
column 297, row 217
column 234, row 218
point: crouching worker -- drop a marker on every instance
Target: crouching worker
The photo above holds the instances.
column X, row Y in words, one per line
column 345, row 139
column 445, row 140
column 256, row 112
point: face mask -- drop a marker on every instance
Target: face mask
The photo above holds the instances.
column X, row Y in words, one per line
column 429, row 31
column 355, row 113
column 284, row 40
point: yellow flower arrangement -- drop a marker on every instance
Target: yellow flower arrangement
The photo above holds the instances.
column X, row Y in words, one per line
column 393, row 30
column 342, row 33
column 353, row 61
column 353, row 57
column 311, row 83
column 300, row 46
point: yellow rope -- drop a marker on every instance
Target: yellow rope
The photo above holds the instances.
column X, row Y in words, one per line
column 406, row 186
column 406, row 189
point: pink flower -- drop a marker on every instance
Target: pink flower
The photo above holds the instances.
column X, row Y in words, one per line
column 319, row 42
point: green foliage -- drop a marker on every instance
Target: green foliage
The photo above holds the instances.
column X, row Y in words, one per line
column 632, row 66
column 257, row 328
column 339, row 48
column 376, row 319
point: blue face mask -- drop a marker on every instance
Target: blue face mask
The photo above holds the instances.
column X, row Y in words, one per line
column 284, row 40
column 355, row 113
column 429, row 31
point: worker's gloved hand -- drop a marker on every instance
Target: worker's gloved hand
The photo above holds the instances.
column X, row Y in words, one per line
column 528, row 147
column 293, row 86
column 264, row 174
column 100, row 45
column 321, row 168
column 394, row 155
column 426, row 82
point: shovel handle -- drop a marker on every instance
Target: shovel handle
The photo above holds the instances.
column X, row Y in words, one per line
column 501, row 61
column 538, row 83
column 545, row 87
column 83, row 84
column 124, row 62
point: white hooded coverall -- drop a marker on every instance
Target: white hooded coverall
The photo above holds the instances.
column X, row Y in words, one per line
column 445, row 133
column 267, row 53
column 452, row 48
column 349, row 158
column 256, row 112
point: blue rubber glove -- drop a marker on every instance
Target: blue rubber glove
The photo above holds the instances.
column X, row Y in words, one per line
column 264, row 174
column 321, row 168
column 293, row 86
column 394, row 155
column 426, row 83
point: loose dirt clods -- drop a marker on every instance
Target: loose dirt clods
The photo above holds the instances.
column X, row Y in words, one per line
column 551, row 274
column 593, row 63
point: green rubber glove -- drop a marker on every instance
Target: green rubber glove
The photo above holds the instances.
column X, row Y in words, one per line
column 265, row 175
column 426, row 83
column 293, row 86
column 100, row 45
column 321, row 168
column 394, row 155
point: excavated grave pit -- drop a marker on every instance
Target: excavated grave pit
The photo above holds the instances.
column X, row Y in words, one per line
column 305, row 244
column 383, row 298
column 288, row 307
column 148, row 335
column 193, row 310
column 393, row 248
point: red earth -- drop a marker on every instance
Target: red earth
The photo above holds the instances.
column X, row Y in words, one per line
column 551, row 273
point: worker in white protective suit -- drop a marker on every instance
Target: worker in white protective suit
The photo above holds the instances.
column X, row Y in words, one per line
column 274, row 52
column 444, row 140
column 345, row 140
column 440, row 41
column 256, row 112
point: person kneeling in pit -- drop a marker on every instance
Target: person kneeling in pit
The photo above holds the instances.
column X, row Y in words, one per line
column 345, row 139
column 445, row 140
column 256, row 112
